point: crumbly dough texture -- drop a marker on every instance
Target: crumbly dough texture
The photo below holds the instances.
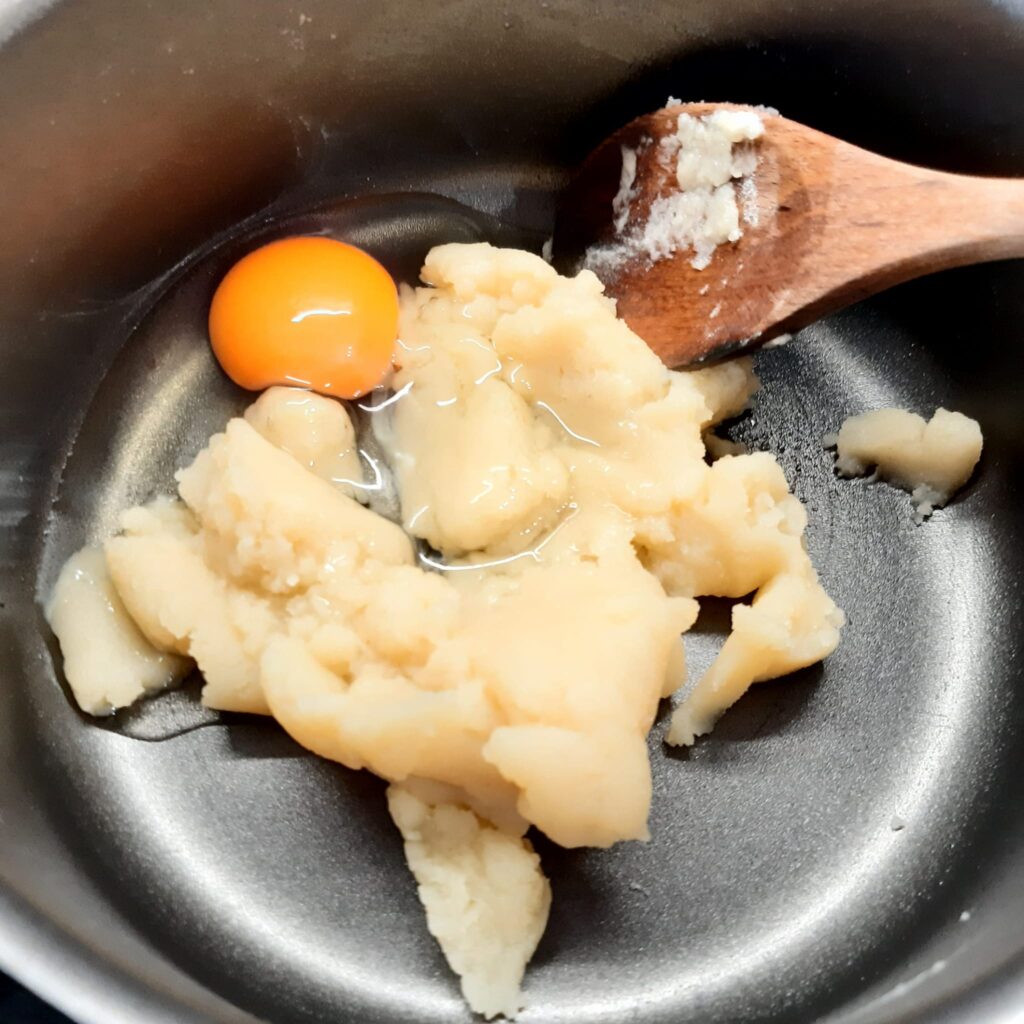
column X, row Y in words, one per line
column 932, row 459
column 486, row 898
column 712, row 159
column 554, row 471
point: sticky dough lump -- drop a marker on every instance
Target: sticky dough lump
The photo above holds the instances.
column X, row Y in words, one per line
column 510, row 642
column 932, row 458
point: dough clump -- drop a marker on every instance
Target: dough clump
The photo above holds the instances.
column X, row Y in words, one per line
column 932, row 459
column 507, row 646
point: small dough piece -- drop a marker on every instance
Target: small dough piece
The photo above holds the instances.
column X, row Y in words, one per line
column 315, row 430
column 726, row 388
column 182, row 606
column 932, row 460
column 708, row 156
column 791, row 623
column 107, row 661
column 486, row 899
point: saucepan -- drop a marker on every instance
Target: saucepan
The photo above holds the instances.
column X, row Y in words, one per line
column 848, row 846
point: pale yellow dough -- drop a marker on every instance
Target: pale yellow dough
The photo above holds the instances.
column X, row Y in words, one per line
column 315, row 431
column 932, row 459
column 532, row 412
column 486, row 898
column 107, row 662
column 556, row 470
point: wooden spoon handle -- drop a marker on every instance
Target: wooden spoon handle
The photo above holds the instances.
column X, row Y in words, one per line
column 983, row 217
column 838, row 224
column 891, row 222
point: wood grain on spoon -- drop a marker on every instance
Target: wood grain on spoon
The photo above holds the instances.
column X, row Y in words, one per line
column 835, row 224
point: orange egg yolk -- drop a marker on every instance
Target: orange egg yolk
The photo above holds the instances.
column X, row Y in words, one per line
column 308, row 311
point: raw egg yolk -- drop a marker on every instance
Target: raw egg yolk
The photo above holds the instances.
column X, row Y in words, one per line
column 309, row 311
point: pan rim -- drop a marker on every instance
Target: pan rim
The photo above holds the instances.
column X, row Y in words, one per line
column 84, row 986
column 107, row 994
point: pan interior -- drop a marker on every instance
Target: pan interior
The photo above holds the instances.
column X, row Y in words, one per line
column 817, row 855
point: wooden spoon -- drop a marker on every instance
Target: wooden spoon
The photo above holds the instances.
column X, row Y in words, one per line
column 834, row 224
